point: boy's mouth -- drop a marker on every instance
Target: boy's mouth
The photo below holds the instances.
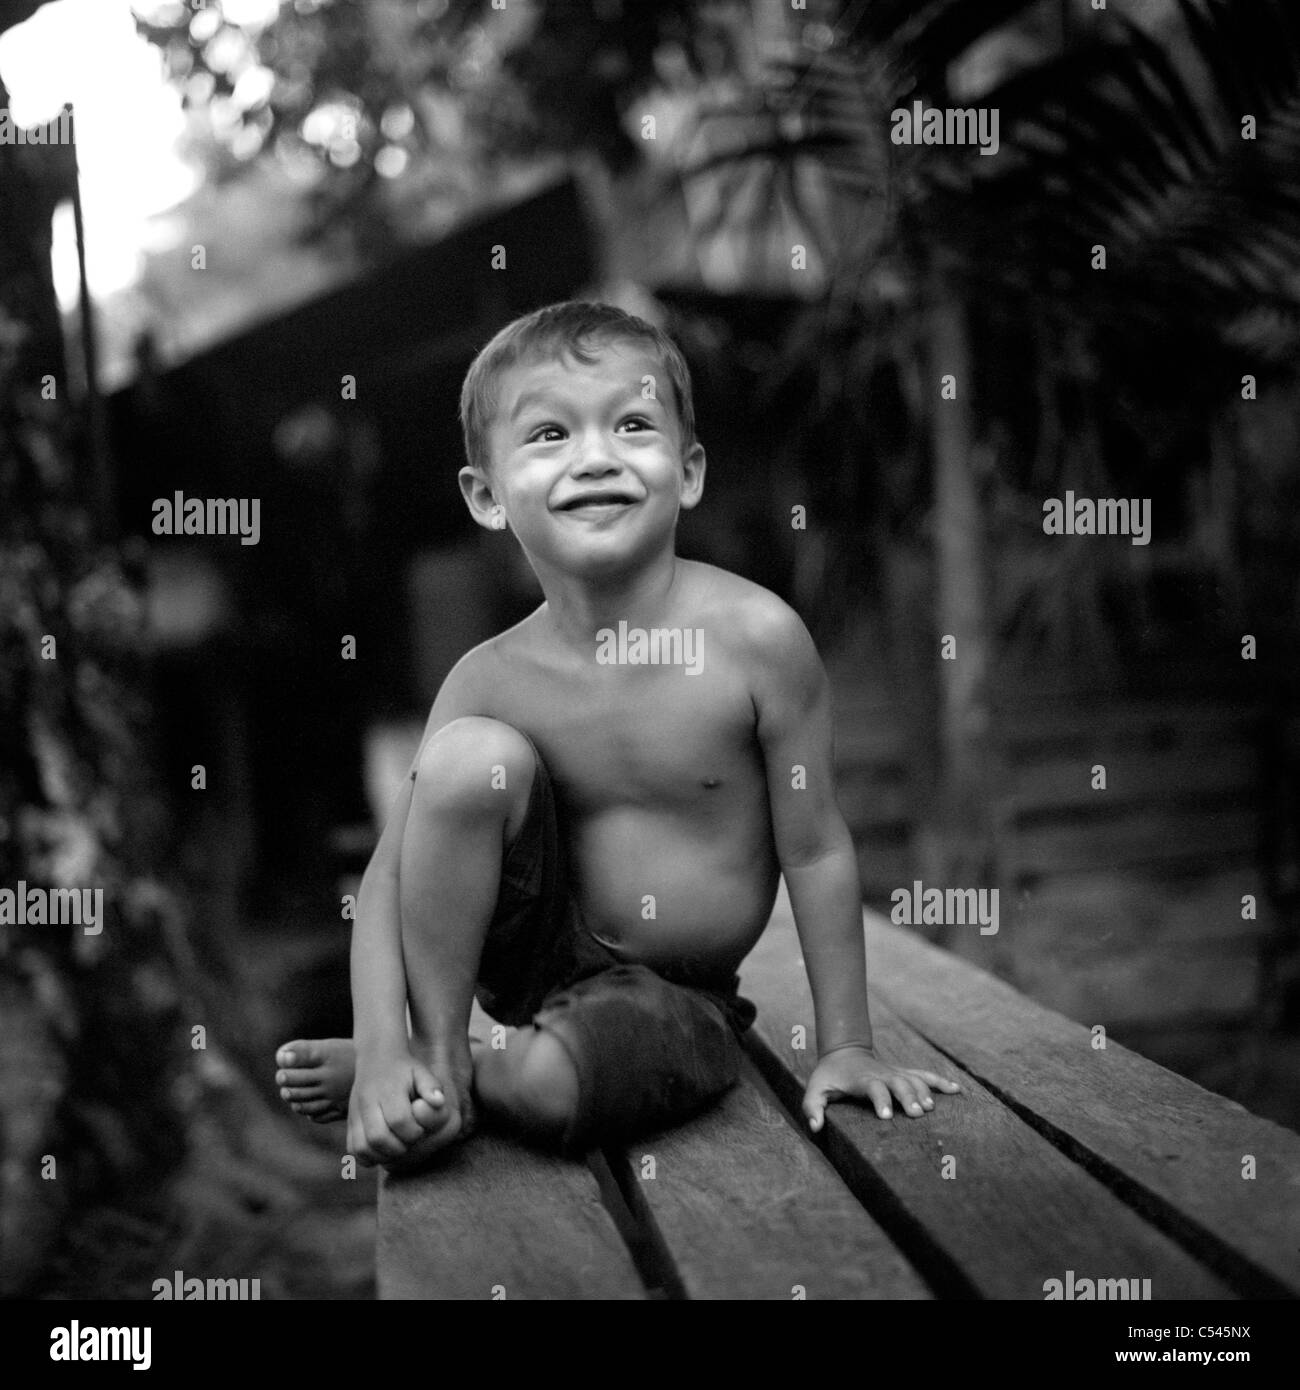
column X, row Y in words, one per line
column 597, row 503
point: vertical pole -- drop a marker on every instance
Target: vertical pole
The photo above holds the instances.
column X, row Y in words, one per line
column 96, row 433
column 964, row 855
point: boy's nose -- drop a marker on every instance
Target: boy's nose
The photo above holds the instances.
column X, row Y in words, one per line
column 594, row 461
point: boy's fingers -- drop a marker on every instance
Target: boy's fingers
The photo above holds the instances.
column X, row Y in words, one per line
column 356, row 1137
column 379, row 1138
column 878, row 1094
column 430, row 1118
column 907, row 1098
column 941, row 1082
column 814, row 1107
column 406, row 1129
column 401, row 1124
column 383, row 1146
column 357, row 1146
column 427, row 1086
column 813, row 1111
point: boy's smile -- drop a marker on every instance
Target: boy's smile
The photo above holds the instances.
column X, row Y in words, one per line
column 595, row 503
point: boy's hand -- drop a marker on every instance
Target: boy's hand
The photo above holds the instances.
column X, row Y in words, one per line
column 395, row 1101
column 857, row 1072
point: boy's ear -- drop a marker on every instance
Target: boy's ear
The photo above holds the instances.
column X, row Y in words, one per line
column 477, row 492
column 693, row 464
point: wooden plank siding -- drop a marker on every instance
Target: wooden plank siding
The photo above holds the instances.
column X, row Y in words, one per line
column 1122, row 904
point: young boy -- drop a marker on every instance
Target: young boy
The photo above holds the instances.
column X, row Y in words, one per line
column 606, row 795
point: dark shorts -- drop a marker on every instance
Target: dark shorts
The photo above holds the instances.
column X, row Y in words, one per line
column 650, row 1046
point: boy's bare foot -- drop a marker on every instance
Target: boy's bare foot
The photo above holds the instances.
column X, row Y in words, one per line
column 315, row 1077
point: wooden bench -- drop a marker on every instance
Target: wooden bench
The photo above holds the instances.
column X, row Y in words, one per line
column 1060, row 1156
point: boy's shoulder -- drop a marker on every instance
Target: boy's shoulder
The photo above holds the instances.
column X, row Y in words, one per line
column 490, row 659
column 744, row 614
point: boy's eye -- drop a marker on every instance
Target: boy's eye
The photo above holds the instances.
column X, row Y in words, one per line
column 538, row 435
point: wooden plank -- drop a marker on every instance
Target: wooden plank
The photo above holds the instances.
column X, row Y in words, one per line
column 1129, row 840
column 866, row 801
column 1144, row 986
column 1015, row 1211
column 496, row 1212
column 868, row 735
column 1112, row 912
column 1171, row 1148
column 492, row 1216
column 1162, row 778
column 1177, row 722
column 1137, row 952
column 749, row 1209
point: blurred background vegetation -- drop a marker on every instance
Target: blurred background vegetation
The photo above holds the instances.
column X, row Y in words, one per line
column 312, row 190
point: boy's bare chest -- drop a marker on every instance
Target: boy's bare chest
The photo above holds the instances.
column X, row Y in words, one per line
column 655, row 737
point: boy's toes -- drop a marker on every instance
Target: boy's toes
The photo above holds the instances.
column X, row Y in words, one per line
column 299, row 1078
column 320, row 1110
column 302, row 1052
column 302, row 1093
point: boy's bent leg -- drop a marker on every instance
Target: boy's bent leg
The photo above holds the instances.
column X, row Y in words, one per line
column 471, row 793
column 645, row 1053
column 530, row 1084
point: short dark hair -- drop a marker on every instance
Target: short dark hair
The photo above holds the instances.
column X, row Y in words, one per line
column 553, row 331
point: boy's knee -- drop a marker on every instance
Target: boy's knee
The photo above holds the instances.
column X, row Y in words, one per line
column 545, row 1089
column 474, row 764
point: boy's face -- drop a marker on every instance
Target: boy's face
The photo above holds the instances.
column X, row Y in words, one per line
column 590, row 474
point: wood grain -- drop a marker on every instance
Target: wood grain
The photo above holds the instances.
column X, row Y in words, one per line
column 496, row 1215
column 1126, row 838
column 1180, row 775
column 1174, row 1150
column 749, row 1209
column 1016, row 1211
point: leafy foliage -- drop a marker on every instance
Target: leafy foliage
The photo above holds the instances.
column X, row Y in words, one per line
column 86, row 1055
column 436, row 94
column 1112, row 379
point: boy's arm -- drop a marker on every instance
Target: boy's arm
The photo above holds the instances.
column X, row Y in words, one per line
column 812, row 842
column 815, row 850
column 378, row 1123
column 378, row 975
